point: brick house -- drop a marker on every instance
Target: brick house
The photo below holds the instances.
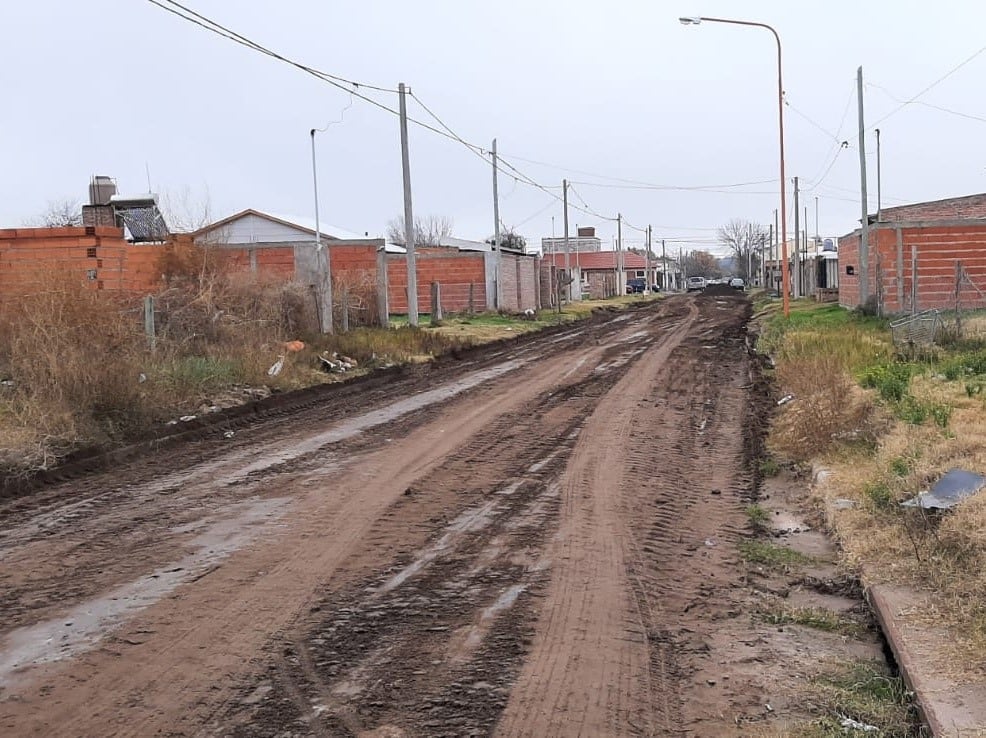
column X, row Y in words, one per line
column 914, row 253
column 597, row 272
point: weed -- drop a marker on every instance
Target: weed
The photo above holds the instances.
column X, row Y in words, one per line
column 759, row 517
column 890, row 380
column 900, row 466
column 769, row 467
column 768, row 554
column 810, row 617
column 879, row 495
column 869, row 694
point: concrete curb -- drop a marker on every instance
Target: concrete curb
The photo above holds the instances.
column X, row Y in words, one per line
column 948, row 708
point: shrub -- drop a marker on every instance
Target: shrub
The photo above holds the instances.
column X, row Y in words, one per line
column 890, row 380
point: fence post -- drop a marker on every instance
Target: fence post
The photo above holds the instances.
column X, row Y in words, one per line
column 345, row 309
column 436, row 303
column 149, row 321
column 958, row 298
column 383, row 285
column 472, row 298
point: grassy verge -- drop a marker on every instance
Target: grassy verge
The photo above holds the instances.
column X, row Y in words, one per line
column 888, row 427
column 77, row 370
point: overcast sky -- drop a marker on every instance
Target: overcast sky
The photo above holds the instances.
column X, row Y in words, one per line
column 598, row 92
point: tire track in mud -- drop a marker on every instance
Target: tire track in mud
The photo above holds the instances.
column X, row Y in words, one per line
column 432, row 645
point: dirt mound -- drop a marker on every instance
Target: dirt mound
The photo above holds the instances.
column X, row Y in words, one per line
column 721, row 289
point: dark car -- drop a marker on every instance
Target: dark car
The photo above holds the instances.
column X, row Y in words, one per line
column 636, row 286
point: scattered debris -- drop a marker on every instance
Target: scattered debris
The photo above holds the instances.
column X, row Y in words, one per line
column 294, row 346
column 276, row 367
column 949, row 491
column 849, row 724
column 141, row 378
column 785, row 399
column 229, row 434
column 842, row 503
column 186, row 418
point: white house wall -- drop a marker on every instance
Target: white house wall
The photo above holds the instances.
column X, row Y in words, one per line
column 251, row 229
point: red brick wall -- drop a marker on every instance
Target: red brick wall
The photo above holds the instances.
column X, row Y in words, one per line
column 972, row 206
column 938, row 250
column 519, row 285
column 99, row 256
column 454, row 271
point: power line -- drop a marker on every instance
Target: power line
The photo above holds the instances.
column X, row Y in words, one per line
column 927, row 89
column 943, row 109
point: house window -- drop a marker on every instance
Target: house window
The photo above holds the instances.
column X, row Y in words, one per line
column 639, row 273
column 91, row 275
column 91, row 252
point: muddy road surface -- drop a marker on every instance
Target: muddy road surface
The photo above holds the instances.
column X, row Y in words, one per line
column 530, row 541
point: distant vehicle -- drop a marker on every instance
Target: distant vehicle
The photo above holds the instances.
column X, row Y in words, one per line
column 636, row 286
column 694, row 284
column 737, row 283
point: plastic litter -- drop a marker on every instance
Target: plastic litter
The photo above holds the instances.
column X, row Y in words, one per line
column 949, row 491
column 849, row 724
column 276, row 367
column 785, row 399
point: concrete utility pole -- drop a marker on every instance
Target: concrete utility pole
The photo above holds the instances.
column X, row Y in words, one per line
column 568, row 263
column 496, row 232
column 664, row 268
column 777, row 236
column 648, row 277
column 797, row 245
column 864, row 239
column 324, row 275
column 620, row 276
column 879, row 188
column 771, row 248
column 412, row 275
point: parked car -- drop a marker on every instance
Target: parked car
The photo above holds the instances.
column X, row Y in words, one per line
column 737, row 283
column 636, row 286
column 694, row 284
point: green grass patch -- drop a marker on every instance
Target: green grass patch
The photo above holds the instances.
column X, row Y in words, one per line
column 769, row 467
column 758, row 516
column 901, row 466
column 868, row 694
column 811, row 617
column 891, row 381
column 202, row 373
column 765, row 553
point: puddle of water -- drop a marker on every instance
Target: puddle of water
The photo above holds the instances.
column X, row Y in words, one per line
column 85, row 624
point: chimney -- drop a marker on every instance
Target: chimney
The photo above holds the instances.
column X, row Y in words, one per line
column 587, row 232
column 99, row 212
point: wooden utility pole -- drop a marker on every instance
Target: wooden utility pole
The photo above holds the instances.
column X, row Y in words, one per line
column 496, row 233
column 412, row 275
column 864, row 237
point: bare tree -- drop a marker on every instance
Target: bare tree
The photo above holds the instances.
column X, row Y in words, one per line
column 63, row 212
column 186, row 211
column 744, row 239
column 428, row 231
column 702, row 264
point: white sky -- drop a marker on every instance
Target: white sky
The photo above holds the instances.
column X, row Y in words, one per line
column 615, row 89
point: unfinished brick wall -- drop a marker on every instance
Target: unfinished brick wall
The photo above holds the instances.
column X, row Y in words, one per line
column 934, row 247
column 99, row 256
column 461, row 274
column 970, row 207
column 520, row 283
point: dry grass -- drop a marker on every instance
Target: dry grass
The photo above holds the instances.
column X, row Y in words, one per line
column 945, row 555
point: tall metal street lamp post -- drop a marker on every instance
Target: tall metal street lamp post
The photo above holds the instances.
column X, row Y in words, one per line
column 696, row 20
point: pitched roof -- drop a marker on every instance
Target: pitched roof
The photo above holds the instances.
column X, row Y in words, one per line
column 589, row 260
column 292, row 221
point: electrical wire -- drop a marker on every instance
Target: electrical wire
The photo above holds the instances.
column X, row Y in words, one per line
column 927, row 89
column 941, row 108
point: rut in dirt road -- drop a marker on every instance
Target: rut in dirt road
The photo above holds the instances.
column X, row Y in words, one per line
column 521, row 544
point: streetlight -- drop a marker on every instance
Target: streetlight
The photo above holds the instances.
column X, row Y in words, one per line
column 325, row 304
column 696, row 20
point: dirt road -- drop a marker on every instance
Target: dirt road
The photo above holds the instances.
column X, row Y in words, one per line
column 530, row 541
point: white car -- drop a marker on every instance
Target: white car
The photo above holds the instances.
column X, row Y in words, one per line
column 737, row 283
column 694, row 284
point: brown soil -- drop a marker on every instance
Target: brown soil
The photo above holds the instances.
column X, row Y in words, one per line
column 538, row 539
